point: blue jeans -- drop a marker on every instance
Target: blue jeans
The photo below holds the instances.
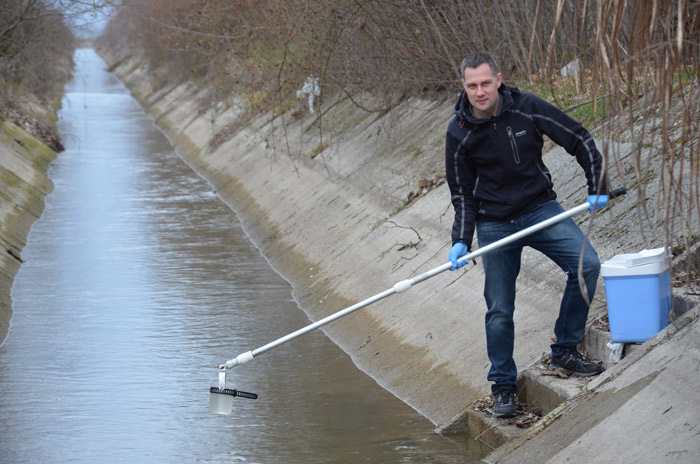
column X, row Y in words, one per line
column 562, row 243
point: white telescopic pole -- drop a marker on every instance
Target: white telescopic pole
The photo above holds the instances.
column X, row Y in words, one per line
column 403, row 286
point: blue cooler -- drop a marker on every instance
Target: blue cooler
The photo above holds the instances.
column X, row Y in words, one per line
column 638, row 290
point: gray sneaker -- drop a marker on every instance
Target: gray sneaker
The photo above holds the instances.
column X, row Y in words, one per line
column 504, row 403
column 573, row 361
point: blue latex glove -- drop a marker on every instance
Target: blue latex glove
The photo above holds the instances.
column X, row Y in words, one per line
column 597, row 202
column 458, row 250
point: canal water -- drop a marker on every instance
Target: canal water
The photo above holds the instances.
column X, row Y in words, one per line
column 138, row 281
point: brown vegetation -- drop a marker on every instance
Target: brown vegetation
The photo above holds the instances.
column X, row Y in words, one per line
column 401, row 49
column 36, row 49
column 639, row 76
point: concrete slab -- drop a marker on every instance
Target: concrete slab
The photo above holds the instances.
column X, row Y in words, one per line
column 642, row 410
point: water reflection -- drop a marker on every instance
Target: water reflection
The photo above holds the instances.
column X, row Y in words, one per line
column 138, row 281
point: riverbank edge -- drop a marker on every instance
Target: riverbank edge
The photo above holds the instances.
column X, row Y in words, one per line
column 24, row 186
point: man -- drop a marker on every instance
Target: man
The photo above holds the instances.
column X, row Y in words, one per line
column 500, row 185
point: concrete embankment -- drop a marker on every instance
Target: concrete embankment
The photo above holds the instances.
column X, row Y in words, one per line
column 24, row 162
column 324, row 196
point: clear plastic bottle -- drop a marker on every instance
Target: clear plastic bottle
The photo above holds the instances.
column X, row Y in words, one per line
column 220, row 402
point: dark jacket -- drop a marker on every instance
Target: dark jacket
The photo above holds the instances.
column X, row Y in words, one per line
column 494, row 166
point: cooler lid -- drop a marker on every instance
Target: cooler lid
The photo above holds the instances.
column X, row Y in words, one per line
column 645, row 262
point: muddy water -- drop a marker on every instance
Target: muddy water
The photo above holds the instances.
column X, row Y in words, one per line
column 138, row 282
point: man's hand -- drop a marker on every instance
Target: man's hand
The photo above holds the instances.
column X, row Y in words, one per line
column 597, row 202
column 458, row 250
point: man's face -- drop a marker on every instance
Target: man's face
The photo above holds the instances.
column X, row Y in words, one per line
column 482, row 90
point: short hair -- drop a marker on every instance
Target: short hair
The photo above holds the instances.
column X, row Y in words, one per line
column 474, row 60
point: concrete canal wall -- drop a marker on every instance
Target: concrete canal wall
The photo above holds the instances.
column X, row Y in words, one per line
column 324, row 195
column 24, row 162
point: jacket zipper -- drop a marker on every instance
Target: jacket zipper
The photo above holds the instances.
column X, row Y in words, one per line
column 513, row 145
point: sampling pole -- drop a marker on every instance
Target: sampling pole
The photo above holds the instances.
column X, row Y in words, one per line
column 404, row 285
